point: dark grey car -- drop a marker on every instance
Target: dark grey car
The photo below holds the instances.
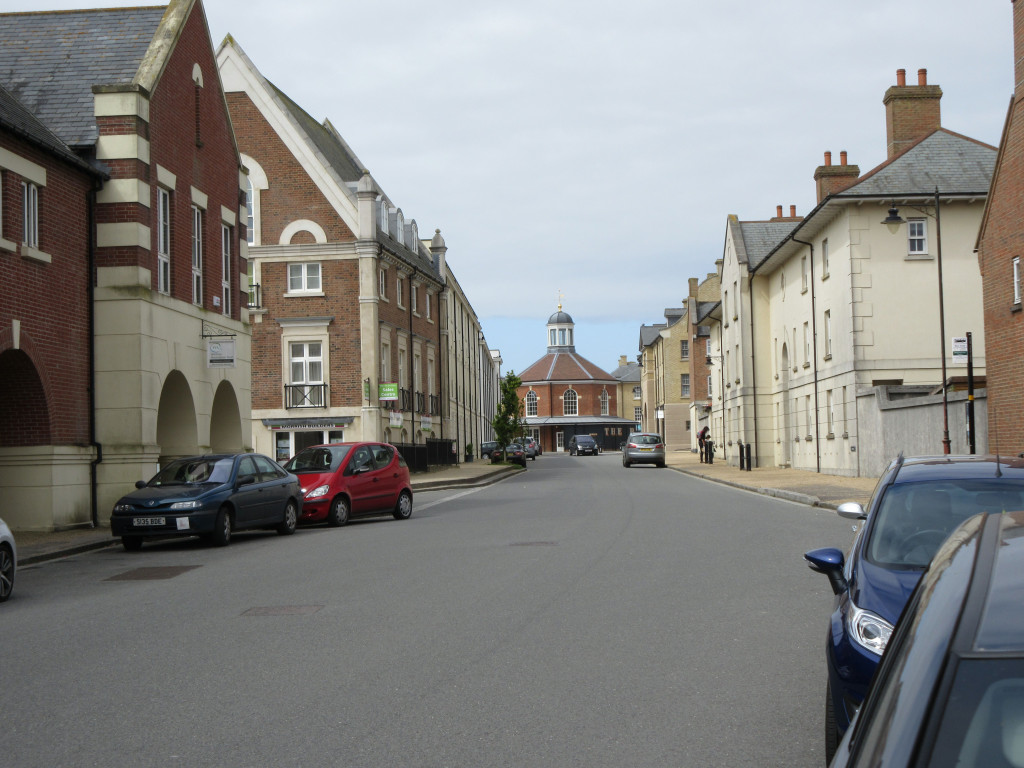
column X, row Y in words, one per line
column 643, row 448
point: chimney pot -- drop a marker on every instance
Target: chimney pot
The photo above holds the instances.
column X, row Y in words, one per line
column 901, row 77
column 792, row 211
column 842, row 157
column 778, row 211
column 922, row 77
column 828, row 158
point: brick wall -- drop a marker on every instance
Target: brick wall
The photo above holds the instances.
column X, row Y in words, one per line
column 189, row 135
column 44, row 384
column 1002, row 239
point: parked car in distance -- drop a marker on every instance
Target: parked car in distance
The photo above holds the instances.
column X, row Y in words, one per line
column 530, row 447
column 8, row 561
column 914, row 507
column 950, row 688
column 342, row 481
column 643, row 448
column 488, row 448
column 582, row 445
column 515, row 453
column 209, row 496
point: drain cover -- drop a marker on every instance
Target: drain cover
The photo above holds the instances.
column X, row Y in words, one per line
column 283, row 610
column 154, row 573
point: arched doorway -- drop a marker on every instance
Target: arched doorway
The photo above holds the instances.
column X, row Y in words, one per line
column 24, row 414
column 225, row 421
column 176, row 432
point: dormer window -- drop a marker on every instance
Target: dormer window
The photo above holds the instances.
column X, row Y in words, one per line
column 382, row 215
column 399, row 226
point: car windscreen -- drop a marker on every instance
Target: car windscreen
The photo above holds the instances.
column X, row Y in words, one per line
column 194, row 470
column 646, row 439
column 913, row 519
column 584, row 441
column 321, row 458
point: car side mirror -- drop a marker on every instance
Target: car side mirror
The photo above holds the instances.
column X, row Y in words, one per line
column 830, row 562
column 140, row 483
column 851, row 510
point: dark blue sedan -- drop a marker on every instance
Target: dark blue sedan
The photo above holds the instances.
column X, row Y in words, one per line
column 916, row 505
column 949, row 692
column 209, row 496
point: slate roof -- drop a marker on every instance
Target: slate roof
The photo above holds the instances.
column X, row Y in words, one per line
column 627, row 373
column 759, row 238
column 650, row 333
column 51, row 60
column 18, row 120
column 563, row 366
column 943, row 159
column 328, row 142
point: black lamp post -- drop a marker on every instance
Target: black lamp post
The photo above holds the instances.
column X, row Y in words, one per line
column 893, row 221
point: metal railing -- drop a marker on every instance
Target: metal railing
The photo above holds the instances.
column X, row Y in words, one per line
column 305, row 395
column 255, row 300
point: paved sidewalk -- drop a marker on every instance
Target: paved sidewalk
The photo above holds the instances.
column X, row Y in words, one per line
column 793, row 484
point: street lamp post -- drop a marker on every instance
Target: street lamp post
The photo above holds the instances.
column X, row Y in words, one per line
column 893, row 222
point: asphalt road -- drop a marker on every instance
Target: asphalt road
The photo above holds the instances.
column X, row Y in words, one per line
column 578, row 614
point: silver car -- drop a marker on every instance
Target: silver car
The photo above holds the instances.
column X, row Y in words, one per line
column 529, row 447
column 643, row 448
column 8, row 561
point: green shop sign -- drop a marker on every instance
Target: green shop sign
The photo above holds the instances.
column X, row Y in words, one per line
column 387, row 391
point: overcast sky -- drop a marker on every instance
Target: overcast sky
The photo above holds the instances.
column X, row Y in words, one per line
column 596, row 148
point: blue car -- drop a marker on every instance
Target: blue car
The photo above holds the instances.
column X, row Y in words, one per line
column 917, row 503
column 210, row 497
column 950, row 688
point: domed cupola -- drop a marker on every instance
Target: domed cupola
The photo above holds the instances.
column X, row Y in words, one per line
column 560, row 332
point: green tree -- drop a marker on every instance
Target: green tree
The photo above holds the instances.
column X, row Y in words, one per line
column 507, row 420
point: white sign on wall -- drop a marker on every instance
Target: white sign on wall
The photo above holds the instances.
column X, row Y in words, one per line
column 959, row 350
column 220, row 353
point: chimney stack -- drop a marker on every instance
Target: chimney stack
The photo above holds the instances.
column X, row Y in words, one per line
column 911, row 111
column 830, row 179
column 780, row 217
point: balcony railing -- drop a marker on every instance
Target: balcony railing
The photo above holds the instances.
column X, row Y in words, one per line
column 305, row 395
column 435, row 405
column 255, row 300
column 405, row 399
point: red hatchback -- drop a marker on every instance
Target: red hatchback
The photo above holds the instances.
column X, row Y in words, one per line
column 342, row 481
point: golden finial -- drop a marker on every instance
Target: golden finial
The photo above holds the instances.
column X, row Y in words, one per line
column 560, row 297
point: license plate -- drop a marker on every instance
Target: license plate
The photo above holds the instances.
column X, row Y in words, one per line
column 144, row 521
column 646, row 449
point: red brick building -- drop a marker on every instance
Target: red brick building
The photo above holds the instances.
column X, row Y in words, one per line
column 1000, row 246
column 564, row 394
column 347, row 299
column 134, row 93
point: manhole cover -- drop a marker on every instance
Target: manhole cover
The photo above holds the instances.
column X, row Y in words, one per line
column 283, row 610
column 154, row 573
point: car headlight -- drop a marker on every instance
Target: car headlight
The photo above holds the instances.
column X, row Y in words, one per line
column 320, row 490
column 123, row 508
column 869, row 631
column 186, row 505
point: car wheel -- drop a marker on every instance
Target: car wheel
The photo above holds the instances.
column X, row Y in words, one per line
column 291, row 519
column 338, row 515
column 221, row 535
column 403, row 509
column 660, row 464
column 131, row 543
column 6, row 572
column 831, row 734
column 625, row 462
